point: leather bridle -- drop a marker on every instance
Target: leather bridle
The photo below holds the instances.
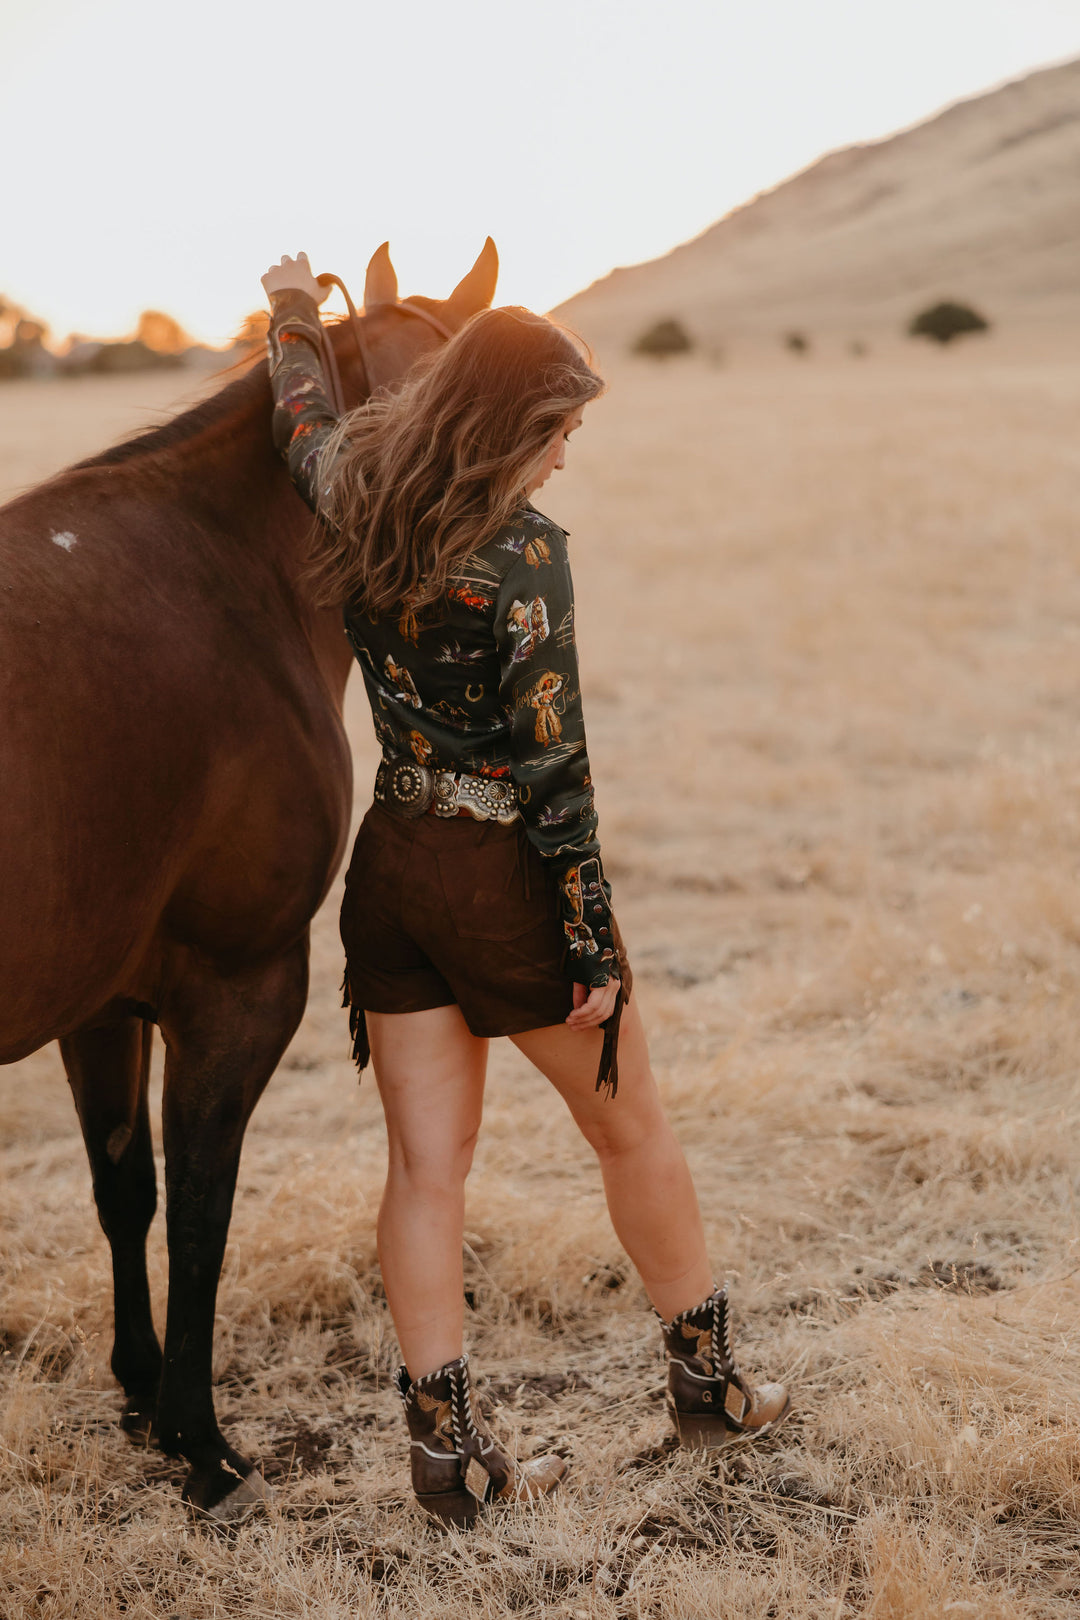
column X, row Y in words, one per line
column 356, row 321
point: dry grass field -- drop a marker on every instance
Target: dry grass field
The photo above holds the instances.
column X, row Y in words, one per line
column 830, row 618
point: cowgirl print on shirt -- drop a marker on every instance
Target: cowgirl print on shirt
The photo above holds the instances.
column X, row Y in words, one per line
column 530, row 621
column 588, row 906
column 494, row 657
column 544, row 698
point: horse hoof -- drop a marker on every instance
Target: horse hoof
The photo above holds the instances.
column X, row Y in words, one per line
column 238, row 1503
column 137, row 1422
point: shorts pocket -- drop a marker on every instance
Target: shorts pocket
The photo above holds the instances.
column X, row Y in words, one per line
column 486, row 891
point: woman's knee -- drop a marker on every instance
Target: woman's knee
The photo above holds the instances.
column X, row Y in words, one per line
column 439, row 1165
column 616, row 1133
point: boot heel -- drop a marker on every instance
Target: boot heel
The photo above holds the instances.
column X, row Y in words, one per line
column 700, row 1431
column 458, row 1508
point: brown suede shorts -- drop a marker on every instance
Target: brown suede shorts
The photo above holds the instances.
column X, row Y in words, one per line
column 438, row 911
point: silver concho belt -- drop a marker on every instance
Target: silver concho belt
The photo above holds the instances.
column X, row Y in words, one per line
column 409, row 789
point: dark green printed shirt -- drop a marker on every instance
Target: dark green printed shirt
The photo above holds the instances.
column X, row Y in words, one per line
column 485, row 681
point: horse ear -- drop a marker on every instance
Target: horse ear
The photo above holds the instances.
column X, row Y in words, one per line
column 380, row 283
column 477, row 289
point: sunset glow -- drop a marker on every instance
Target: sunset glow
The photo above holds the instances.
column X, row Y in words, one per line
column 163, row 158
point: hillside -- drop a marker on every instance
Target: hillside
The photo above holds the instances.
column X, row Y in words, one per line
column 981, row 202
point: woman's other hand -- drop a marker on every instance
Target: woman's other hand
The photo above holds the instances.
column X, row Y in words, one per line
column 592, row 1007
column 294, row 274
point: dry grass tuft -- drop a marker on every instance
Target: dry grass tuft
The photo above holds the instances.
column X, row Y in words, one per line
column 830, row 618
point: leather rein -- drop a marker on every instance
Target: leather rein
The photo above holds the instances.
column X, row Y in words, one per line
column 356, row 321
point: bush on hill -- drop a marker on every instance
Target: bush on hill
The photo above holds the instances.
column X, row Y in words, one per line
column 664, row 338
column 797, row 342
column 945, row 321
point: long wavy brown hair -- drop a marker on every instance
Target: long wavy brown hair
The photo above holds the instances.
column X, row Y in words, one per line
column 414, row 481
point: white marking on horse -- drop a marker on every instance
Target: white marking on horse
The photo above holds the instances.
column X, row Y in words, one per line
column 66, row 539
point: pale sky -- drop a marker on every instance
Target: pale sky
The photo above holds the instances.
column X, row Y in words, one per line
column 161, row 155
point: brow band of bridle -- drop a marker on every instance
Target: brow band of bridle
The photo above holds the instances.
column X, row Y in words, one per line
column 356, row 321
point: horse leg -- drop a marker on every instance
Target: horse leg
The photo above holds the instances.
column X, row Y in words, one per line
column 224, row 1037
column 108, row 1069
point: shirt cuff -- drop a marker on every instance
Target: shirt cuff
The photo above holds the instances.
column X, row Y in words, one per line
column 292, row 313
column 586, row 918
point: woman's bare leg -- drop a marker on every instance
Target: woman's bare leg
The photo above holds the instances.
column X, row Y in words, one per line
column 650, row 1195
column 430, row 1072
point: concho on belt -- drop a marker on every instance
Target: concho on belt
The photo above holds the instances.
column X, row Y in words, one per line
column 405, row 786
column 409, row 788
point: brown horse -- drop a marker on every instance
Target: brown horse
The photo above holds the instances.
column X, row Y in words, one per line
column 175, row 787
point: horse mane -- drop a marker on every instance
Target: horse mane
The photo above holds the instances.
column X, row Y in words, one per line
column 224, row 403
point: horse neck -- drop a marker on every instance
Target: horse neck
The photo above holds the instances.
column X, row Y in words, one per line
column 233, row 471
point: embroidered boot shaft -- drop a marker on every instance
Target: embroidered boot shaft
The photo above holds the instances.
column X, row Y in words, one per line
column 708, row 1398
column 455, row 1460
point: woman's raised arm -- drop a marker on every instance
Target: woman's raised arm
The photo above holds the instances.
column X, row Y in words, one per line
column 303, row 412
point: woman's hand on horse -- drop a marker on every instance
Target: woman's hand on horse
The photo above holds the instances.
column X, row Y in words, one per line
column 592, row 1007
column 294, row 274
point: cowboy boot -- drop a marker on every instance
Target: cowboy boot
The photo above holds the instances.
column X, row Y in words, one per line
column 455, row 1460
column 708, row 1398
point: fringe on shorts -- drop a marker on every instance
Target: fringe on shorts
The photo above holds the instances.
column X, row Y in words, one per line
column 361, row 1046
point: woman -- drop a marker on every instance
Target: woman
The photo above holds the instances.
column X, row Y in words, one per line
column 475, row 902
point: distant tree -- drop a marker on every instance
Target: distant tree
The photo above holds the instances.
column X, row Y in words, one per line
column 113, row 358
column 30, row 331
column 161, row 333
column 857, row 348
column 10, row 315
column 24, row 354
column 945, row 321
column 664, row 338
column 797, row 342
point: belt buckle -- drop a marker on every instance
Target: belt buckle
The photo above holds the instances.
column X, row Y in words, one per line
column 408, row 786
